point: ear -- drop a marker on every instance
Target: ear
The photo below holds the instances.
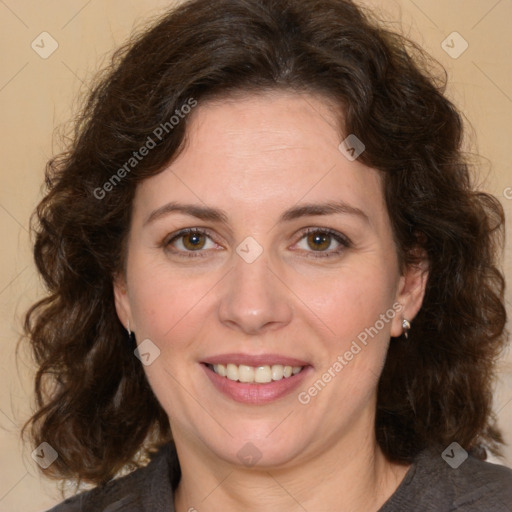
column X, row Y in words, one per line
column 122, row 301
column 410, row 293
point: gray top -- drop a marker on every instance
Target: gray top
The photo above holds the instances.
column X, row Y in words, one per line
column 430, row 485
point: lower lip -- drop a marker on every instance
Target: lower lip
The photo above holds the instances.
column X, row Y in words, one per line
column 256, row 394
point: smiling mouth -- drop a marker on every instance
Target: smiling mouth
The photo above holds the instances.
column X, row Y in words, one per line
column 255, row 374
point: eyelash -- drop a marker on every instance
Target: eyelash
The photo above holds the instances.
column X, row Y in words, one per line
column 344, row 242
column 180, row 234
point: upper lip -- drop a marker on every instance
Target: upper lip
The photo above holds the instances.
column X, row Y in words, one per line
column 254, row 360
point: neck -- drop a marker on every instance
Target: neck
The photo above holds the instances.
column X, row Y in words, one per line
column 351, row 475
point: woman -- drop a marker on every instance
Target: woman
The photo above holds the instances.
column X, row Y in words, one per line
column 268, row 271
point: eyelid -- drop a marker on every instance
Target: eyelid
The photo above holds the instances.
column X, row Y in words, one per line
column 319, row 229
column 169, row 239
column 342, row 239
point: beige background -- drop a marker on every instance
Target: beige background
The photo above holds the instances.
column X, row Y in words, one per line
column 37, row 95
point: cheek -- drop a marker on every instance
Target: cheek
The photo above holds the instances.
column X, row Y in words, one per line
column 168, row 305
column 350, row 301
column 170, row 310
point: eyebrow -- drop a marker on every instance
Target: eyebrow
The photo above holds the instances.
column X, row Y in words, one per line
column 200, row 212
column 296, row 212
column 328, row 208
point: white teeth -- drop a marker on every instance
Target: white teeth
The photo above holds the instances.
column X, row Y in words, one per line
column 259, row 374
column 231, row 371
column 277, row 372
column 245, row 373
column 262, row 374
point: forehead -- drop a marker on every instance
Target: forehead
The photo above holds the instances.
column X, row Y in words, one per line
column 265, row 129
column 264, row 151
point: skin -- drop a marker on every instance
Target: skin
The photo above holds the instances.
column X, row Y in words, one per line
column 254, row 158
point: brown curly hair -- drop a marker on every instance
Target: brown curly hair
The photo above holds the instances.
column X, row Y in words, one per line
column 95, row 406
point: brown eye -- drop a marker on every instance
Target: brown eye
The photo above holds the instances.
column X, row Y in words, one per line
column 323, row 243
column 193, row 241
column 189, row 241
column 319, row 241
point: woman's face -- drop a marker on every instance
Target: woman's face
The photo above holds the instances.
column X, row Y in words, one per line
column 290, row 265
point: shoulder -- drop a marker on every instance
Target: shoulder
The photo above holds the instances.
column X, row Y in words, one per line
column 147, row 488
column 481, row 485
column 457, row 482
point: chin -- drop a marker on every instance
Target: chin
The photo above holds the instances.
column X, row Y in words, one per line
column 254, row 449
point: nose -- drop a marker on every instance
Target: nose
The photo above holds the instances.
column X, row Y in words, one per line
column 254, row 300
